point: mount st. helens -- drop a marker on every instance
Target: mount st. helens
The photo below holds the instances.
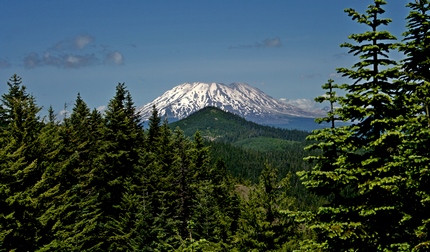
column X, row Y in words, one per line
column 238, row 98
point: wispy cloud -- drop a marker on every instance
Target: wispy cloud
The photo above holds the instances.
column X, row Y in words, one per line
column 4, row 63
column 115, row 58
column 82, row 40
column 266, row 43
column 62, row 61
column 269, row 43
column 63, row 113
column 32, row 60
column 79, row 51
column 78, row 42
column 101, row 109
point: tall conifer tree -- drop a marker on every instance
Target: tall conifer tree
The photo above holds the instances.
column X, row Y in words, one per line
column 262, row 226
column 19, row 168
column 121, row 142
column 415, row 125
column 70, row 198
column 362, row 212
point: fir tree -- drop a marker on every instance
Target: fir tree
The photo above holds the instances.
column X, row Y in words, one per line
column 354, row 171
column 415, row 125
column 154, row 128
column 20, row 169
column 68, row 196
column 121, row 142
column 225, row 203
column 262, row 225
column 183, row 172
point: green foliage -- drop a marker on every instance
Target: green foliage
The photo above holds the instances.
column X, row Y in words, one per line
column 20, row 168
column 265, row 144
column 262, row 225
column 98, row 182
column 71, row 209
column 94, row 182
column 414, row 126
column 361, row 169
column 245, row 147
column 215, row 124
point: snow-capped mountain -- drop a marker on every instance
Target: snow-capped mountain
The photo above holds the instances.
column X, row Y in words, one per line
column 238, row 98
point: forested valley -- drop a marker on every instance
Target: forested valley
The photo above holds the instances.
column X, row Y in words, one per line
column 96, row 181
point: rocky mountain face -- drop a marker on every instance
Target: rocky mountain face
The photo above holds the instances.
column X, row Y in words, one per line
column 238, row 98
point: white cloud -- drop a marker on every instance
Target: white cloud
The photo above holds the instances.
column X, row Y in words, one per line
column 266, row 43
column 114, row 58
column 63, row 112
column 74, row 53
column 76, row 61
column 101, row 109
column 275, row 42
column 82, row 40
column 33, row 60
column 76, row 43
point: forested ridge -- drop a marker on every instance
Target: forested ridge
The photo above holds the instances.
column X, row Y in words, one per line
column 216, row 124
column 246, row 147
column 101, row 182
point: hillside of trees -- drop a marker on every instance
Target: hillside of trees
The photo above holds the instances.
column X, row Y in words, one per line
column 101, row 182
column 246, row 147
column 216, row 124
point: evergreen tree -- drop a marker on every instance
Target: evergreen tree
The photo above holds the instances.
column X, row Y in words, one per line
column 121, row 142
column 132, row 226
column 354, row 171
column 51, row 145
column 70, row 201
column 202, row 215
column 263, row 227
column 159, row 189
column 154, row 128
column 19, row 168
column 415, row 125
column 183, row 173
column 226, row 205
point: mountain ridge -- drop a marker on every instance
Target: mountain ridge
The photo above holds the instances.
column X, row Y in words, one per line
column 215, row 124
column 238, row 98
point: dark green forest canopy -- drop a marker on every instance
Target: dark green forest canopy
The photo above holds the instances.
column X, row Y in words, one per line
column 246, row 146
column 100, row 182
column 216, row 124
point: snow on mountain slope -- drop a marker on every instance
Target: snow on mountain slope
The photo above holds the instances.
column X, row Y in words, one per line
column 238, row 98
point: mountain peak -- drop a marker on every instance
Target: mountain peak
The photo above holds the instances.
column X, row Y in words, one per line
column 238, row 98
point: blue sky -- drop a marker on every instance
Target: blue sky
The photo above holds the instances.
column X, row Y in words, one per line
column 286, row 48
